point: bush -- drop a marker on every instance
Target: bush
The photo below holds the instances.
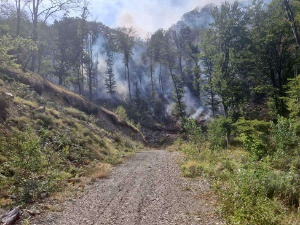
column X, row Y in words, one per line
column 5, row 77
column 244, row 198
column 31, row 165
column 254, row 135
column 44, row 120
column 219, row 131
column 283, row 135
column 194, row 132
column 77, row 114
column 121, row 112
column 191, row 169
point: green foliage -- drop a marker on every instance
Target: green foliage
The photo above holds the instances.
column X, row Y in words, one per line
column 191, row 169
column 4, row 77
column 254, row 136
column 31, row 164
column 44, row 120
column 9, row 44
column 292, row 100
column 219, row 131
column 194, row 132
column 110, row 81
column 121, row 112
column 250, row 192
column 244, row 198
column 283, row 135
column 76, row 113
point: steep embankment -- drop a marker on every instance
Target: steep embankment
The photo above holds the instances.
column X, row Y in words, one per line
column 52, row 139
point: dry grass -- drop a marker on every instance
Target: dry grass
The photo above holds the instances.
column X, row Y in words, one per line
column 53, row 112
column 59, row 123
column 40, row 84
column 76, row 113
column 5, row 202
column 21, row 101
column 291, row 218
column 22, row 121
column 102, row 171
column 170, row 148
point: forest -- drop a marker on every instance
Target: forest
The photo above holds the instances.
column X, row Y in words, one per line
column 225, row 77
column 226, row 60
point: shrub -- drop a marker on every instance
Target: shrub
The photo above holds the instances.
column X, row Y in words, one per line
column 191, row 169
column 283, row 135
column 5, row 77
column 44, row 120
column 30, row 165
column 254, row 135
column 194, row 132
column 244, row 198
column 219, row 131
column 77, row 114
column 121, row 112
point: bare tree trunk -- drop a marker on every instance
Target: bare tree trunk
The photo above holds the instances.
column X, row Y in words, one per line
column 90, row 71
column 152, row 87
column 79, row 80
column 18, row 7
column 291, row 18
column 128, row 77
column 35, row 8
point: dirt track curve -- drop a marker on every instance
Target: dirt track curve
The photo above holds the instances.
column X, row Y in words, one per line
column 147, row 190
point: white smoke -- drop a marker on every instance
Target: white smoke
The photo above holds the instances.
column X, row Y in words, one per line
column 192, row 103
column 170, row 108
column 198, row 112
column 145, row 16
column 195, row 108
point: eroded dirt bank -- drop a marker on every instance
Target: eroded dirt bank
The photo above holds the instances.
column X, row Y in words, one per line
column 147, row 190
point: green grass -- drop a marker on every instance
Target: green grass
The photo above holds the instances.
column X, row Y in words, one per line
column 250, row 192
column 42, row 146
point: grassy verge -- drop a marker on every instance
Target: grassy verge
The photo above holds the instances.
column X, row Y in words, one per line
column 250, row 191
column 49, row 149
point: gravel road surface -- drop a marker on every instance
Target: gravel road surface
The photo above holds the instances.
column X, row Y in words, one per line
column 147, row 190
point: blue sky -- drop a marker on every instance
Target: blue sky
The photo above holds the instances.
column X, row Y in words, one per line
column 144, row 15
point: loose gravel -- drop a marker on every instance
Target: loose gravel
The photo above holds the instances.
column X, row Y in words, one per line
column 147, row 190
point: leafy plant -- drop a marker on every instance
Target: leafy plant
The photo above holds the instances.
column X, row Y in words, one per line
column 121, row 112
column 194, row 132
column 219, row 131
column 254, row 136
column 191, row 169
column 283, row 134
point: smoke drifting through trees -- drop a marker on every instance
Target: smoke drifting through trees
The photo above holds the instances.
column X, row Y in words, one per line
column 156, row 70
column 206, row 56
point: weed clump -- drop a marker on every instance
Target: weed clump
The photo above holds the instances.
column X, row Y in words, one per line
column 44, row 120
column 76, row 113
column 257, row 178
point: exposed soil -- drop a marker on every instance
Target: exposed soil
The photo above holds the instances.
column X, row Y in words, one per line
column 147, row 190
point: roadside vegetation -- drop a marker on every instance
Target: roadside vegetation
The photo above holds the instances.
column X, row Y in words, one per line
column 48, row 146
column 256, row 176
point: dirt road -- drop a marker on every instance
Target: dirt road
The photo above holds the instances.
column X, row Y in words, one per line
column 147, row 190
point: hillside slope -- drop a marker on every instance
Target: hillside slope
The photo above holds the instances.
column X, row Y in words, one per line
column 51, row 138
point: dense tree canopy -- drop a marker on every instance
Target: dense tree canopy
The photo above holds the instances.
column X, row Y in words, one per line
column 222, row 58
